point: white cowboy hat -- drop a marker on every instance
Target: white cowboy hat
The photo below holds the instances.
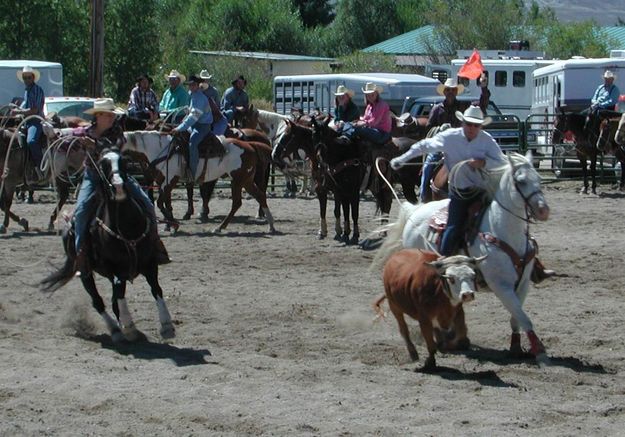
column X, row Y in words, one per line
column 104, row 105
column 609, row 75
column 341, row 90
column 370, row 87
column 28, row 70
column 449, row 83
column 473, row 114
column 174, row 73
column 204, row 75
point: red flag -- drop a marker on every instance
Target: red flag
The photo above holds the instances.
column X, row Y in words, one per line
column 472, row 69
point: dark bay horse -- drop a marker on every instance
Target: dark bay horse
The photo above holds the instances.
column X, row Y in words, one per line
column 118, row 249
column 586, row 137
column 608, row 143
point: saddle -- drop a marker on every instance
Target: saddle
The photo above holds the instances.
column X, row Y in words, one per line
column 210, row 147
column 438, row 222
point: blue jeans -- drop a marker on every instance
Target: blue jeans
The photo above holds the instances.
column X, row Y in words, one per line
column 199, row 131
column 229, row 114
column 137, row 113
column 33, row 139
column 456, row 220
column 220, row 126
column 371, row 134
column 86, row 203
column 426, row 174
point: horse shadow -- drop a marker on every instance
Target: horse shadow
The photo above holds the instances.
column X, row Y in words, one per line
column 502, row 357
column 612, row 195
column 486, row 378
column 147, row 350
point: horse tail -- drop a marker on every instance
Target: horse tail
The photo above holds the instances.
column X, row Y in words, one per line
column 377, row 307
column 393, row 241
column 62, row 276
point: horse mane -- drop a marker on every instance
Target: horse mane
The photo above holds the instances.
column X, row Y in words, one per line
column 268, row 117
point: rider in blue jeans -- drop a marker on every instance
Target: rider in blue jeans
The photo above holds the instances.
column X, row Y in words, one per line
column 104, row 113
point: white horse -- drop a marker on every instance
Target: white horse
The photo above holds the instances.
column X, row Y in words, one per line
column 503, row 236
column 239, row 162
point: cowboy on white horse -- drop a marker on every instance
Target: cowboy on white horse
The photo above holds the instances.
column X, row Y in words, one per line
column 466, row 143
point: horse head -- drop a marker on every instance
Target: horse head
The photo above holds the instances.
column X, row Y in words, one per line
column 291, row 138
column 113, row 172
column 526, row 187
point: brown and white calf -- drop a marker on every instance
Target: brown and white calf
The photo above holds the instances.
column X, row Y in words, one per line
column 431, row 289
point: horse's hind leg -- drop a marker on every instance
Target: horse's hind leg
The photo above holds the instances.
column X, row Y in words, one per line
column 167, row 327
column 62, row 189
column 593, row 173
column 355, row 206
column 96, row 300
column 206, row 191
column 5, row 204
column 347, row 227
column 338, row 230
column 120, row 308
column 234, row 207
column 261, row 197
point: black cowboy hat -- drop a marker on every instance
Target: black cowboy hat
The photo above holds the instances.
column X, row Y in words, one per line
column 194, row 79
column 144, row 76
column 239, row 78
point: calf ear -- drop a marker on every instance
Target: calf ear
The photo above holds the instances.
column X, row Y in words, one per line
column 438, row 265
column 476, row 261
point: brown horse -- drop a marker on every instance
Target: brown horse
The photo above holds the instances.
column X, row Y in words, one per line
column 13, row 160
column 607, row 143
column 586, row 142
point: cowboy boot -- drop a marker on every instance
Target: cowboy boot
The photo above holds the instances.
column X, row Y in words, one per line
column 539, row 273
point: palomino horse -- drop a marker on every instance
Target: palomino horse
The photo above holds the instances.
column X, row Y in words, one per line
column 241, row 161
column 503, row 236
column 119, row 249
column 338, row 170
column 586, row 143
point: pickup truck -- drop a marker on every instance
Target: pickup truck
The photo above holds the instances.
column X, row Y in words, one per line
column 506, row 129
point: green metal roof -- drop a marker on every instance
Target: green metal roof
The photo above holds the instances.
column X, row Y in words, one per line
column 413, row 42
column 410, row 43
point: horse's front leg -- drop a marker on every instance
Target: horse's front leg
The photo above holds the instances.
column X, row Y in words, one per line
column 5, row 203
column 347, row 229
column 322, row 197
column 96, row 300
column 593, row 173
column 187, row 215
column 584, row 164
column 206, row 191
column 167, row 327
column 355, row 206
column 62, row 190
column 338, row 231
column 120, row 308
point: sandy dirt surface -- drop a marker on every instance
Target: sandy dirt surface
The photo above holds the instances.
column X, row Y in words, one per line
column 275, row 337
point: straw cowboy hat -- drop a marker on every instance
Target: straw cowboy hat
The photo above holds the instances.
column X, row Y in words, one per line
column 194, row 79
column 204, row 75
column 28, row 70
column 104, row 105
column 609, row 75
column 370, row 87
column 449, row 83
column 473, row 114
column 174, row 73
column 341, row 90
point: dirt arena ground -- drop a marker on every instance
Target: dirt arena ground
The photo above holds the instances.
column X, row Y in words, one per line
column 275, row 337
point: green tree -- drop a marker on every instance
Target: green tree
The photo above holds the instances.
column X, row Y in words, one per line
column 314, row 12
column 576, row 39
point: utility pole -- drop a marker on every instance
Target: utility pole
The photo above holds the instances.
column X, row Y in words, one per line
column 96, row 61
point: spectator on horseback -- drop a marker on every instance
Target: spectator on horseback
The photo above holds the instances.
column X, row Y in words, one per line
column 466, row 143
column 376, row 124
column 606, row 95
column 198, row 121
column 445, row 112
column 143, row 103
column 220, row 122
column 175, row 96
column 32, row 104
column 235, row 100
column 106, row 133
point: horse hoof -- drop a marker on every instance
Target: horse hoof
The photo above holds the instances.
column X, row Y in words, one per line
column 132, row 334
column 203, row 218
column 51, row 227
column 117, row 336
column 321, row 235
column 217, row 231
column 187, row 216
column 583, row 191
column 3, row 229
column 354, row 240
column 23, row 223
column 168, row 331
column 272, row 230
column 338, row 237
column 543, row 360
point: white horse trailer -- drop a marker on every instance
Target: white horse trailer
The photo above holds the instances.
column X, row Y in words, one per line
column 509, row 81
column 571, row 84
column 313, row 91
column 51, row 79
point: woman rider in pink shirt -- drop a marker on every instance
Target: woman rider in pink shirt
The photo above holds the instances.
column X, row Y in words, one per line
column 375, row 125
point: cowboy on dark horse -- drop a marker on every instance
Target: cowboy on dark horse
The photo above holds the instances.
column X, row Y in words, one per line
column 105, row 133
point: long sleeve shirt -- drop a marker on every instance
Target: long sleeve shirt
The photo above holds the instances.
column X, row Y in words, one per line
column 457, row 148
column 141, row 100
column 174, row 99
column 446, row 113
column 605, row 97
column 234, row 97
column 378, row 116
column 347, row 113
column 34, row 98
column 199, row 111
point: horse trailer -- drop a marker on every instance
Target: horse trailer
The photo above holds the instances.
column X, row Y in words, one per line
column 570, row 84
column 51, row 79
column 316, row 91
